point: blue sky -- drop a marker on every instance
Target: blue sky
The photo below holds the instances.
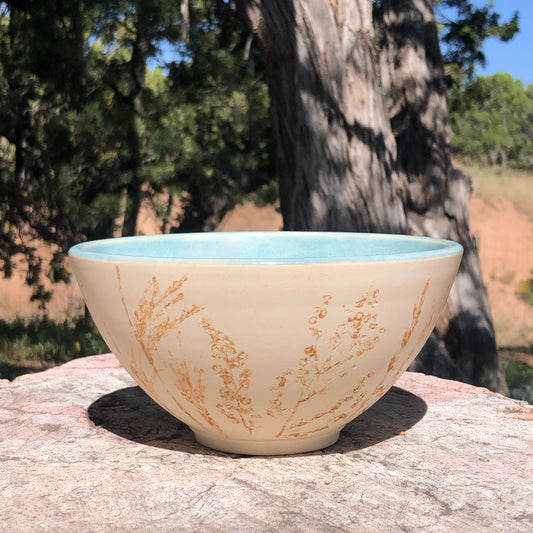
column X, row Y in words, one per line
column 515, row 56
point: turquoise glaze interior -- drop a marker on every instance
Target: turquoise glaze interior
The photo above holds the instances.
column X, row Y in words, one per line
column 266, row 248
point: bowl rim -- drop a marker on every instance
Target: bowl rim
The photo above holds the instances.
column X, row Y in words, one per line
column 435, row 247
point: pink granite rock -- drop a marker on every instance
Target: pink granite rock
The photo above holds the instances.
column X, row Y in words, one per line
column 82, row 449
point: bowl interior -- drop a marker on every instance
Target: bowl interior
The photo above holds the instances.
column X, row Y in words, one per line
column 267, row 247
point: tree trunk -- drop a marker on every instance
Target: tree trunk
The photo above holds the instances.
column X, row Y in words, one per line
column 335, row 149
column 351, row 158
column 137, row 71
column 463, row 346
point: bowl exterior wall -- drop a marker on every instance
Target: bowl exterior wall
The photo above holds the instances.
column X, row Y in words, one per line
column 266, row 353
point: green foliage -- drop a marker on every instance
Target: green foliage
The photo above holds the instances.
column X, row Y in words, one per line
column 222, row 125
column 91, row 127
column 492, row 121
column 517, row 373
column 524, row 290
column 35, row 97
column 42, row 342
column 463, row 30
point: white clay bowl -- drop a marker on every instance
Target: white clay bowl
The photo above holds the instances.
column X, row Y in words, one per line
column 268, row 342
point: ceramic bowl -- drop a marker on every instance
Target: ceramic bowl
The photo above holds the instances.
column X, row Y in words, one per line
column 267, row 342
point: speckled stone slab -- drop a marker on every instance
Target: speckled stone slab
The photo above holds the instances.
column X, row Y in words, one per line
column 82, row 449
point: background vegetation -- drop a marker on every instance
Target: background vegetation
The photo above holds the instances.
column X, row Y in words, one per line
column 106, row 104
column 492, row 121
column 27, row 346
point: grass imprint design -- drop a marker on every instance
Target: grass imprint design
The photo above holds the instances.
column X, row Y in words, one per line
column 235, row 403
column 396, row 364
column 154, row 319
column 327, row 364
column 340, row 336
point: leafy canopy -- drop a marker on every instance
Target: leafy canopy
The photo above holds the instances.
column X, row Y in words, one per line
column 492, row 121
column 464, row 28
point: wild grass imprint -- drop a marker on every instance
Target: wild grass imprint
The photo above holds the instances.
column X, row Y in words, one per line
column 333, row 353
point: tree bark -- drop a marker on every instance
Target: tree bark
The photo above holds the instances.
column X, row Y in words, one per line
column 358, row 150
column 437, row 203
column 335, row 149
column 134, row 109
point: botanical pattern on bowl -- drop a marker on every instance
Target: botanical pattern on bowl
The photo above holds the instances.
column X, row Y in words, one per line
column 327, row 363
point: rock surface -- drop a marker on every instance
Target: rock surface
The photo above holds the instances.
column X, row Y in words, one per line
column 82, row 449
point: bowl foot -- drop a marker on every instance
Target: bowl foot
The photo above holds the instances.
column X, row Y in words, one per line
column 266, row 447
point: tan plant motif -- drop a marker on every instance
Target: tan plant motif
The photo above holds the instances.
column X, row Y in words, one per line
column 326, row 365
column 235, row 403
column 326, row 362
column 395, row 366
column 193, row 390
column 417, row 311
column 154, row 319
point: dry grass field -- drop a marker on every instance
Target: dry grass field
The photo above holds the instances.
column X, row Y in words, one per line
column 501, row 214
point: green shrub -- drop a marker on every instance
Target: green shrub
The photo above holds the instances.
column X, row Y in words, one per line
column 41, row 342
column 524, row 290
column 517, row 373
